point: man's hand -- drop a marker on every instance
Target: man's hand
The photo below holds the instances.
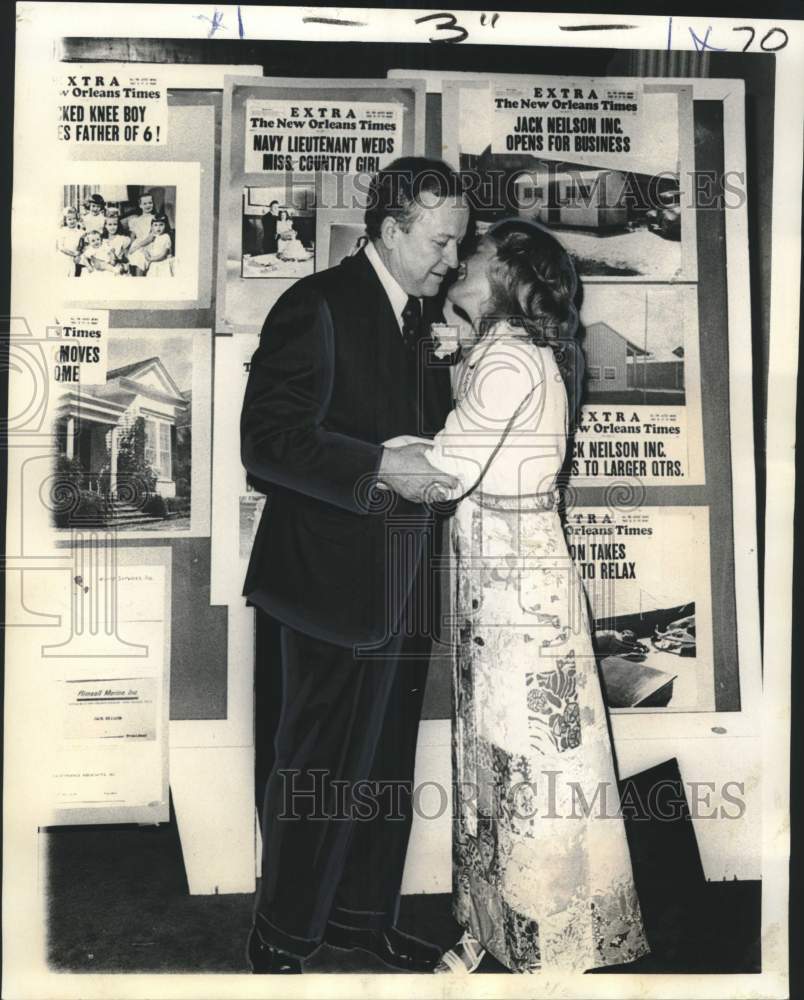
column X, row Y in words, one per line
column 407, row 472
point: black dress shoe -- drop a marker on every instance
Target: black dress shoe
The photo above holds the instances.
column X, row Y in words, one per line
column 265, row 959
column 391, row 946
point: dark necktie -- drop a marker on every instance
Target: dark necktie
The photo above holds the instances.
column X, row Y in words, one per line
column 411, row 322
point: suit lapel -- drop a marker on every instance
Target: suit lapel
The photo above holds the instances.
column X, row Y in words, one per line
column 377, row 337
column 375, row 343
column 376, row 307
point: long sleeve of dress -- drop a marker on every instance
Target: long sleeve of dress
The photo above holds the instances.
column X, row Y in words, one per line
column 510, row 395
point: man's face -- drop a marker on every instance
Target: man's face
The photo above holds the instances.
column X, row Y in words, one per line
column 273, row 208
column 420, row 258
column 146, row 204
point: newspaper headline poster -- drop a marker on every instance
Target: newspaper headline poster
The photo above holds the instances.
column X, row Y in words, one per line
column 292, row 148
column 134, row 440
column 81, row 354
column 328, row 136
column 114, row 104
column 133, row 220
column 640, row 420
column 646, row 574
column 582, row 118
column 606, row 165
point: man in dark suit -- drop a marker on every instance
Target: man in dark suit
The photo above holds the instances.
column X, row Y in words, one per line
column 342, row 559
column 269, row 221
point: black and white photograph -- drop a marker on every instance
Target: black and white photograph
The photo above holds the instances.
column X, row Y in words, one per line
column 126, row 445
column 400, row 478
column 309, row 143
column 641, row 413
column 116, row 221
column 650, row 601
column 279, row 231
column 345, row 240
column 121, row 230
column 641, row 362
column 621, row 212
column 610, row 230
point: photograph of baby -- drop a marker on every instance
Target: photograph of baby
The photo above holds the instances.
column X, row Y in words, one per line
column 278, row 231
column 117, row 229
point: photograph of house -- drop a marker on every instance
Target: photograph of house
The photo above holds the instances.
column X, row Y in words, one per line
column 124, row 447
column 585, row 197
column 619, row 213
column 608, row 219
column 635, row 359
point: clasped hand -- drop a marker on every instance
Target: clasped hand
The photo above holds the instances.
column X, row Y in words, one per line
column 404, row 469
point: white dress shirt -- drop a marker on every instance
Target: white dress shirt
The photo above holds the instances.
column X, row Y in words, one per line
column 397, row 295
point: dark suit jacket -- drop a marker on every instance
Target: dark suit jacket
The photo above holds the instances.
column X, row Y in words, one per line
column 330, row 381
column 269, row 232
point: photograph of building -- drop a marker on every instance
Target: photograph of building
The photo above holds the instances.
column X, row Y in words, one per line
column 615, row 223
column 585, row 197
column 630, row 369
column 124, row 449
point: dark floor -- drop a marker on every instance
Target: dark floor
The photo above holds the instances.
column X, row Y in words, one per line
column 118, row 902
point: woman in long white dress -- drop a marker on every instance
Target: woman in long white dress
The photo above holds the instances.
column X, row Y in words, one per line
column 542, row 876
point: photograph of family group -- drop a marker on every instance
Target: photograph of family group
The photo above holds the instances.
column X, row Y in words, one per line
column 125, row 230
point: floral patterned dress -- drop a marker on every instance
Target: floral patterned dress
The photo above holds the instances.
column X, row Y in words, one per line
column 542, row 875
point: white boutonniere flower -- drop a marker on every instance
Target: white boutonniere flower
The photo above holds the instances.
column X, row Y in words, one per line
column 446, row 338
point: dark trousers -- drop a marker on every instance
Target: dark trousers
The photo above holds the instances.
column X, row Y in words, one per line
column 338, row 804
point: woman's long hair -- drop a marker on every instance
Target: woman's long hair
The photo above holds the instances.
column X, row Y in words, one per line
column 534, row 286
